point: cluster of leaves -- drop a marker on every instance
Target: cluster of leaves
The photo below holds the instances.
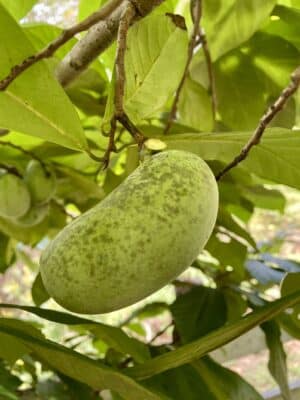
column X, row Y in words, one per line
column 254, row 47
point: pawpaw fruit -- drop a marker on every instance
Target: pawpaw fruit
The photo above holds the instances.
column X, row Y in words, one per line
column 14, row 196
column 36, row 214
column 41, row 183
column 139, row 238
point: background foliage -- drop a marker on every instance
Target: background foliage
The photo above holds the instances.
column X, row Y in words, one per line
column 254, row 47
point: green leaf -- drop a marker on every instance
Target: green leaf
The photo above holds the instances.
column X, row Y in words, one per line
column 40, row 35
column 152, row 76
column 18, row 8
column 8, row 383
column 195, row 107
column 276, row 158
column 197, row 349
column 291, row 284
column 227, row 220
column 204, row 379
column 87, row 7
column 78, row 366
column 262, row 197
column 230, row 253
column 38, row 291
column 228, row 23
column 198, row 312
column 286, row 25
column 277, row 358
column 6, row 252
column 113, row 336
column 290, row 3
column 34, row 103
column 11, row 349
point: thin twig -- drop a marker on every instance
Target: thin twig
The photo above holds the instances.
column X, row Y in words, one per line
column 10, row 169
column 210, row 71
column 161, row 332
column 273, row 110
column 26, row 152
column 196, row 12
column 119, row 114
column 65, row 36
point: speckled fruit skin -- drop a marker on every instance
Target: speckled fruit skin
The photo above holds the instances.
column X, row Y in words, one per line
column 139, row 238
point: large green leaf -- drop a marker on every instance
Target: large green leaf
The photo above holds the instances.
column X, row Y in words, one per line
column 34, row 103
column 277, row 358
column 249, row 78
column 204, row 379
column 286, row 25
column 197, row 349
column 195, row 108
column 11, row 349
column 87, row 7
column 113, row 336
column 290, row 3
column 276, row 158
column 77, row 366
column 228, row 23
column 198, row 312
column 152, row 73
column 18, row 8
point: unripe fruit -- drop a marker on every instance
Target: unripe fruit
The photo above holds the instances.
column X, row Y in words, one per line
column 14, row 196
column 139, row 238
column 34, row 216
column 41, row 185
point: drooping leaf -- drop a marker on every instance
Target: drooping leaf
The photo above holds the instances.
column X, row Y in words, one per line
column 230, row 253
column 262, row 197
column 78, row 366
column 204, row 379
column 198, row 312
column 291, row 284
column 228, row 23
column 38, row 291
column 286, row 25
column 34, row 103
column 195, row 107
column 277, row 357
column 18, row 9
column 197, row 349
column 276, row 158
column 152, row 76
column 113, row 336
column 11, row 349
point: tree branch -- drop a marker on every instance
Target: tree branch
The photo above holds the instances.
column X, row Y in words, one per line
column 210, row 71
column 10, row 169
column 98, row 39
column 273, row 110
column 65, row 36
column 119, row 114
column 196, row 12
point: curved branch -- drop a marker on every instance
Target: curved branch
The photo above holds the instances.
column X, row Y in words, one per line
column 98, row 39
column 65, row 36
column 273, row 110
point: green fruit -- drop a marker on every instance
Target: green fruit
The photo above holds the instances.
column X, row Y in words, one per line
column 34, row 216
column 14, row 196
column 139, row 238
column 41, row 184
